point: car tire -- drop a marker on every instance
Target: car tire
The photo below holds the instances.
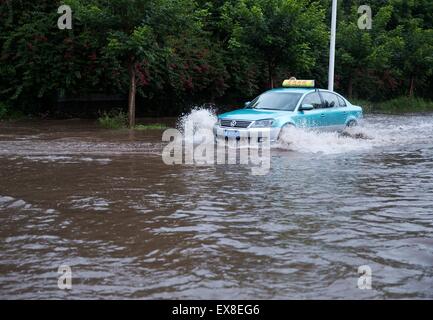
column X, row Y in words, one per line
column 352, row 123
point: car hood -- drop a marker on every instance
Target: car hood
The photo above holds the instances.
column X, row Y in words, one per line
column 252, row 114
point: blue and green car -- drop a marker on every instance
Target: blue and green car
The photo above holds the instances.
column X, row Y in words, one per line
column 297, row 104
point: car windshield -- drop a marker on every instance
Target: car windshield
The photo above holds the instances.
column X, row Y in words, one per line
column 276, row 101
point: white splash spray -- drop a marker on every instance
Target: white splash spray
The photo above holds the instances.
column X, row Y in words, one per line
column 374, row 132
column 198, row 119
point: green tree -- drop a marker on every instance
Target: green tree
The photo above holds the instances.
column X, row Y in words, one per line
column 364, row 57
column 179, row 51
column 39, row 62
column 417, row 56
column 284, row 34
column 119, row 24
column 140, row 34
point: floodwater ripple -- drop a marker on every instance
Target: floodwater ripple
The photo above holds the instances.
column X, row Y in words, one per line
column 129, row 226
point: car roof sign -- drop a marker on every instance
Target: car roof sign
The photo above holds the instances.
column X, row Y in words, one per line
column 294, row 83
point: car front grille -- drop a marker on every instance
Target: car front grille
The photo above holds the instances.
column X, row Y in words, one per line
column 235, row 123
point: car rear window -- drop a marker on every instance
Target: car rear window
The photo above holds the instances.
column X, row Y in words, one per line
column 330, row 100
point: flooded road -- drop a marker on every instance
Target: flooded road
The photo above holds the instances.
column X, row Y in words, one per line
column 129, row 226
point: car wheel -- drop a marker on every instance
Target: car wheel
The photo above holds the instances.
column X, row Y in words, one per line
column 352, row 123
column 284, row 130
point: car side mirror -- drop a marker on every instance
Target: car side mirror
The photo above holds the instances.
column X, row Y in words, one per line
column 247, row 104
column 306, row 107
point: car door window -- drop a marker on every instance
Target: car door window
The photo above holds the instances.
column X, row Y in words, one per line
column 330, row 100
column 313, row 99
column 341, row 102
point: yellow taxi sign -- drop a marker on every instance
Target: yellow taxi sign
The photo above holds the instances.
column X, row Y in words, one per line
column 294, row 83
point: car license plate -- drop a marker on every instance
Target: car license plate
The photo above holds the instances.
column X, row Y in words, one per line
column 231, row 134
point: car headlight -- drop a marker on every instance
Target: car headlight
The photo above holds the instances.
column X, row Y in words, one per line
column 265, row 123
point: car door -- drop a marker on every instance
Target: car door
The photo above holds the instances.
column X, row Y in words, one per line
column 336, row 113
column 344, row 114
column 311, row 118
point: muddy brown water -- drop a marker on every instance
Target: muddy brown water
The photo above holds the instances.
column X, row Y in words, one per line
column 129, row 226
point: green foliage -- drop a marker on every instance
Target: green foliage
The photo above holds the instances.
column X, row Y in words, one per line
column 153, row 126
column 208, row 51
column 405, row 104
column 367, row 106
column 393, row 58
column 284, row 37
column 115, row 119
column 3, row 110
column 397, row 105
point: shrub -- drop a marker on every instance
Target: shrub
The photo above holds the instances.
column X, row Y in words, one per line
column 397, row 105
column 3, row 110
column 115, row 119
column 406, row 104
column 367, row 106
column 153, row 126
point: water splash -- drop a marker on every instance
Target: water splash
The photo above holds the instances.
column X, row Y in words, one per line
column 198, row 118
column 315, row 141
column 197, row 123
column 374, row 132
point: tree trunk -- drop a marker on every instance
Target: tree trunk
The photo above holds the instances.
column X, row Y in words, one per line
column 412, row 86
column 350, row 88
column 131, row 97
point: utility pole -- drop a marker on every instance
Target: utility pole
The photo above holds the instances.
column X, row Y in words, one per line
column 332, row 46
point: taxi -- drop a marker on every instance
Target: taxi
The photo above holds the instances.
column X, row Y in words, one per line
column 297, row 104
